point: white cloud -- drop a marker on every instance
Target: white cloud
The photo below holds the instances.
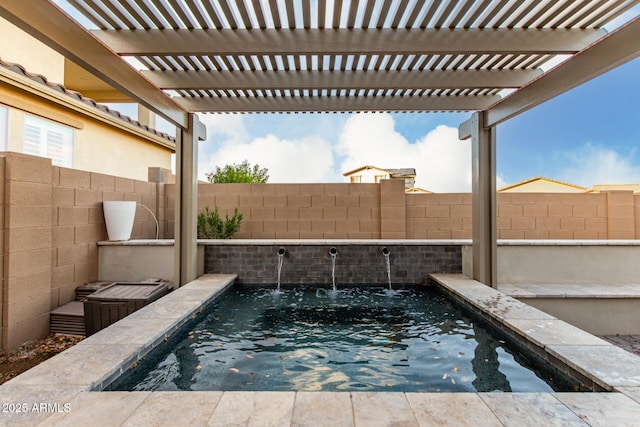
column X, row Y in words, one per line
column 303, row 160
column 307, row 159
column 594, row 164
column 501, row 181
column 441, row 160
column 225, row 128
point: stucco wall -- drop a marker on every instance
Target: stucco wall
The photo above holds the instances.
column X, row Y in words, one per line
column 19, row 47
column 101, row 148
column 98, row 147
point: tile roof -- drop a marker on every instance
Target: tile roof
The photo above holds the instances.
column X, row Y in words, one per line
column 402, row 171
column 38, row 78
column 398, row 172
column 608, row 187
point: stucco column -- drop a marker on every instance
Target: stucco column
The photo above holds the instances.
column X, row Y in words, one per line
column 186, row 205
column 484, row 214
column 146, row 117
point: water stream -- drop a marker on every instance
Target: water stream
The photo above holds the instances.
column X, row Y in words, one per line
column 334, row 254
column 387, row 257
column 281, row 253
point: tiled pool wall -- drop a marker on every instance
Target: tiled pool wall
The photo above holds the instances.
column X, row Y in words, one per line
column 311, row 264
column 535, row 355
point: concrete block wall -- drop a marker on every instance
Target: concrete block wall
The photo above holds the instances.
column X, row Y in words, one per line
column 385, row 211
column 560, row 216
column 27, row 252
column 78, row 223
column 636, row 204
column 610, row 215
column 293, row 211
column 438, row 216
column 621, row 215
column 50, row 221
column 393, row 222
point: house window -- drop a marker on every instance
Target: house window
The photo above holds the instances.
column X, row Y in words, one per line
column 3, row 128
column 48, row 139
column 380, row 177
column 356, row 179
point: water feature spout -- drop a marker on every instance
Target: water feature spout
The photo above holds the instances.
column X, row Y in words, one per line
column 387, row 256
column 334, row 254
column 281, row 253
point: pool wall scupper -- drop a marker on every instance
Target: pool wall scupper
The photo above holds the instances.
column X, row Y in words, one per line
column 310, row 262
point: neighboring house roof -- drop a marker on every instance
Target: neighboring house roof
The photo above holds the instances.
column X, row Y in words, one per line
column 361, row 168
column 418, row 190
column 402, row 172
column 396, row 173
column 38, row 78
column 541, row 184
column 612, row 187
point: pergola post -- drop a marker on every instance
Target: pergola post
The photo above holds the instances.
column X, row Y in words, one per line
column 186, row 204
column 484, row 215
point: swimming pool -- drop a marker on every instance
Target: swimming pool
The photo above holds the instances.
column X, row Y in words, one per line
column 357, row 339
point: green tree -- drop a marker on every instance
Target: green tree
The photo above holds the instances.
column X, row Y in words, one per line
column 244, row 173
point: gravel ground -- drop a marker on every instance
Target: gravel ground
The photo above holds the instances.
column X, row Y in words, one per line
column 15, row 362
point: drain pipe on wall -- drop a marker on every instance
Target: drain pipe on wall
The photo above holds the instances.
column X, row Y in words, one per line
column 154, row 218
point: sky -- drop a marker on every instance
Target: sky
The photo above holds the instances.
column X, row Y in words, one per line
column 589, row 135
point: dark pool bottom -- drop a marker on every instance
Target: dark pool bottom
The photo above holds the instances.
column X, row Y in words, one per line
column 357, row 339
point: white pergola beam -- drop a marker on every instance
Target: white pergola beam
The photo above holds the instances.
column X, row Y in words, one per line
column 44, row 21
column 374, row 41
column 337, row 103
column 426, row 79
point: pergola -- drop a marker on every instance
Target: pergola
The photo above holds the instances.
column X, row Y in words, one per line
column 338, row 56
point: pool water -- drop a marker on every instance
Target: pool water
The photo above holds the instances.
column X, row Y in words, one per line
column 357, row 339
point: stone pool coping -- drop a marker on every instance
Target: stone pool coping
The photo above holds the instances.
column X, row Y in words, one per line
column 58, row 391
column 377, row 242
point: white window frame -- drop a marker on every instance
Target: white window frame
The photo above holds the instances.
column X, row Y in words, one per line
column 46, row 138
column 4, row 128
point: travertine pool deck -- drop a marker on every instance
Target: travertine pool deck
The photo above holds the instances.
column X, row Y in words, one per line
column 59, row 391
